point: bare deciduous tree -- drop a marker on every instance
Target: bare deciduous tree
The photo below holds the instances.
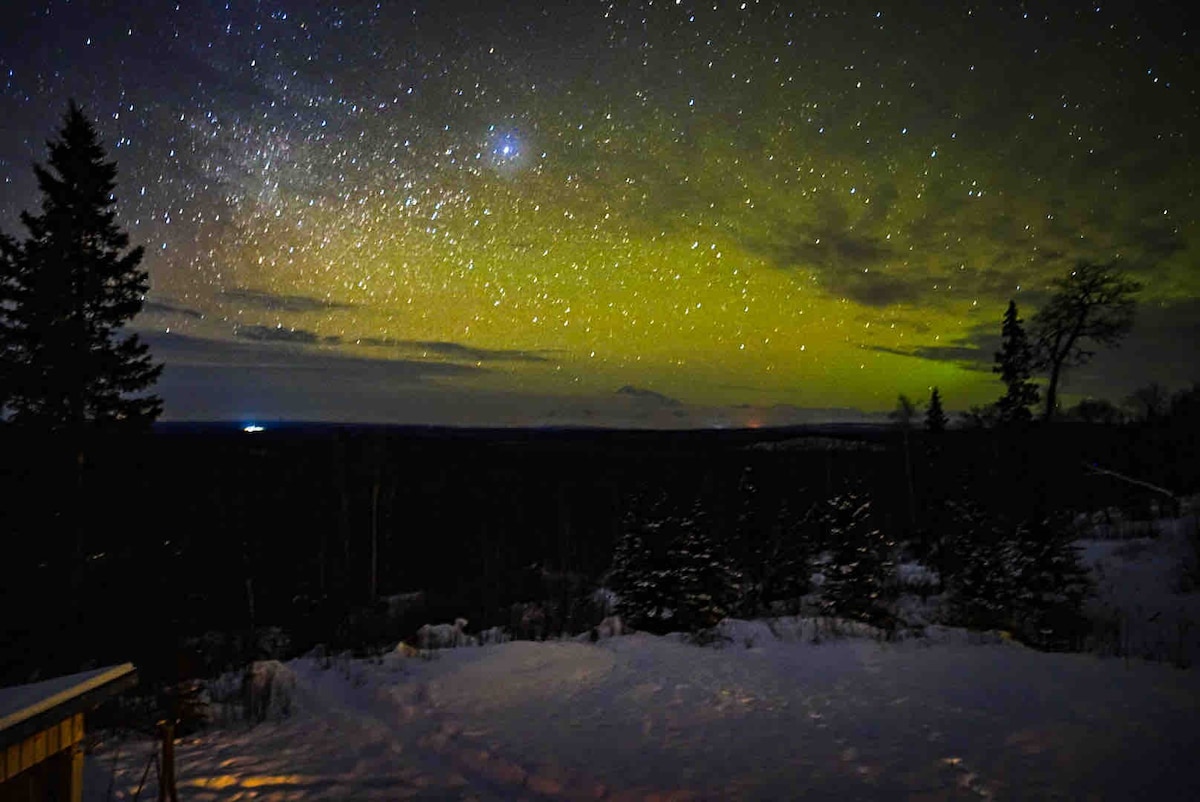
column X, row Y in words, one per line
column 1093, row 306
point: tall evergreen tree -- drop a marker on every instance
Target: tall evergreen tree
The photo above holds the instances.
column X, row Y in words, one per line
column 935, row 416
column 1014, row 363
column 66, row 291
column 8, row 291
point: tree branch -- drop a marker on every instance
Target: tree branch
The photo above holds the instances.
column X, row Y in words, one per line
column 1106, row 472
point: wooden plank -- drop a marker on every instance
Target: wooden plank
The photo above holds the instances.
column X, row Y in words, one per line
column 26, row 754
column 76, row 788
column 41, row 746
column 12, row 760
column 24, row 707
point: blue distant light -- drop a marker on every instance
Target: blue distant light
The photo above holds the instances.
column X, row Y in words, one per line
column 253, row 428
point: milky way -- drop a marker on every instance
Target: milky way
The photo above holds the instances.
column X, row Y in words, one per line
column 728, row 205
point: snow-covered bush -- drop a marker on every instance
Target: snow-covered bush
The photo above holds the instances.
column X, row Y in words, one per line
column 778, row 566
column 1052, row 587
column 707, row 583
column 641, row 578
column 983, row 589
column 610, row 627
column 263, row 690
column 1026, row 579
column 493, row 635
column 859, row 578
column 671, row 574
column 605, row 601
column 528, row 620
column 268, row 688
column 444, row 636
column 917, row 577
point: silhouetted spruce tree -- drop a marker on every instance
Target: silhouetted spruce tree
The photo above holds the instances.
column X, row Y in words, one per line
column 1014, row 363
column 68, row 289
column 935, row 416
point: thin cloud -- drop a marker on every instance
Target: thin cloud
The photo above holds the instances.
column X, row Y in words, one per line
column 642, row 394
column 168, row 308
column 281, row 302
column 281, row 334
column 453, row 350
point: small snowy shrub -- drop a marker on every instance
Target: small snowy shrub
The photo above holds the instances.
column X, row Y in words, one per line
column 706, row 581
column 859, row 577
column 610, row 627
column 528, row 620
column 671, row 575
column 983, row 592
column 444, row 636
column 493, row 635
column 267, row 690
column 1027, row 580
column 1053, row 585
column 783, row 563
column 641, row 578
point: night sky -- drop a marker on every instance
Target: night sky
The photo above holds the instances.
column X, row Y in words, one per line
column 652, row 213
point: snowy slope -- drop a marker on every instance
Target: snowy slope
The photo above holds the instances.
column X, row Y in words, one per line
column 638, row 716
column 1140, row 589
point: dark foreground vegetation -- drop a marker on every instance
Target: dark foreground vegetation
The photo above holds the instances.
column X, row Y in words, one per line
column 136, row 547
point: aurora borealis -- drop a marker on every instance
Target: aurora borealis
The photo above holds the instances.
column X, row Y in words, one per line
column 666, row 213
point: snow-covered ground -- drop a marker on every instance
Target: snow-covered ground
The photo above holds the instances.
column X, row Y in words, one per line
column 1141, row 591
column 763, row 717
column 789, row 708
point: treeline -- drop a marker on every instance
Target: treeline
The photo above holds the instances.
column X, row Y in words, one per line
column 179, row 533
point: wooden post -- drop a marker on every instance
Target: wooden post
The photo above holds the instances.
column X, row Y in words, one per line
column 76, row 782
column 166, row 777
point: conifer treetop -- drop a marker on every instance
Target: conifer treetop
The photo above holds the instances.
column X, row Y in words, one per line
column 69, row 289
